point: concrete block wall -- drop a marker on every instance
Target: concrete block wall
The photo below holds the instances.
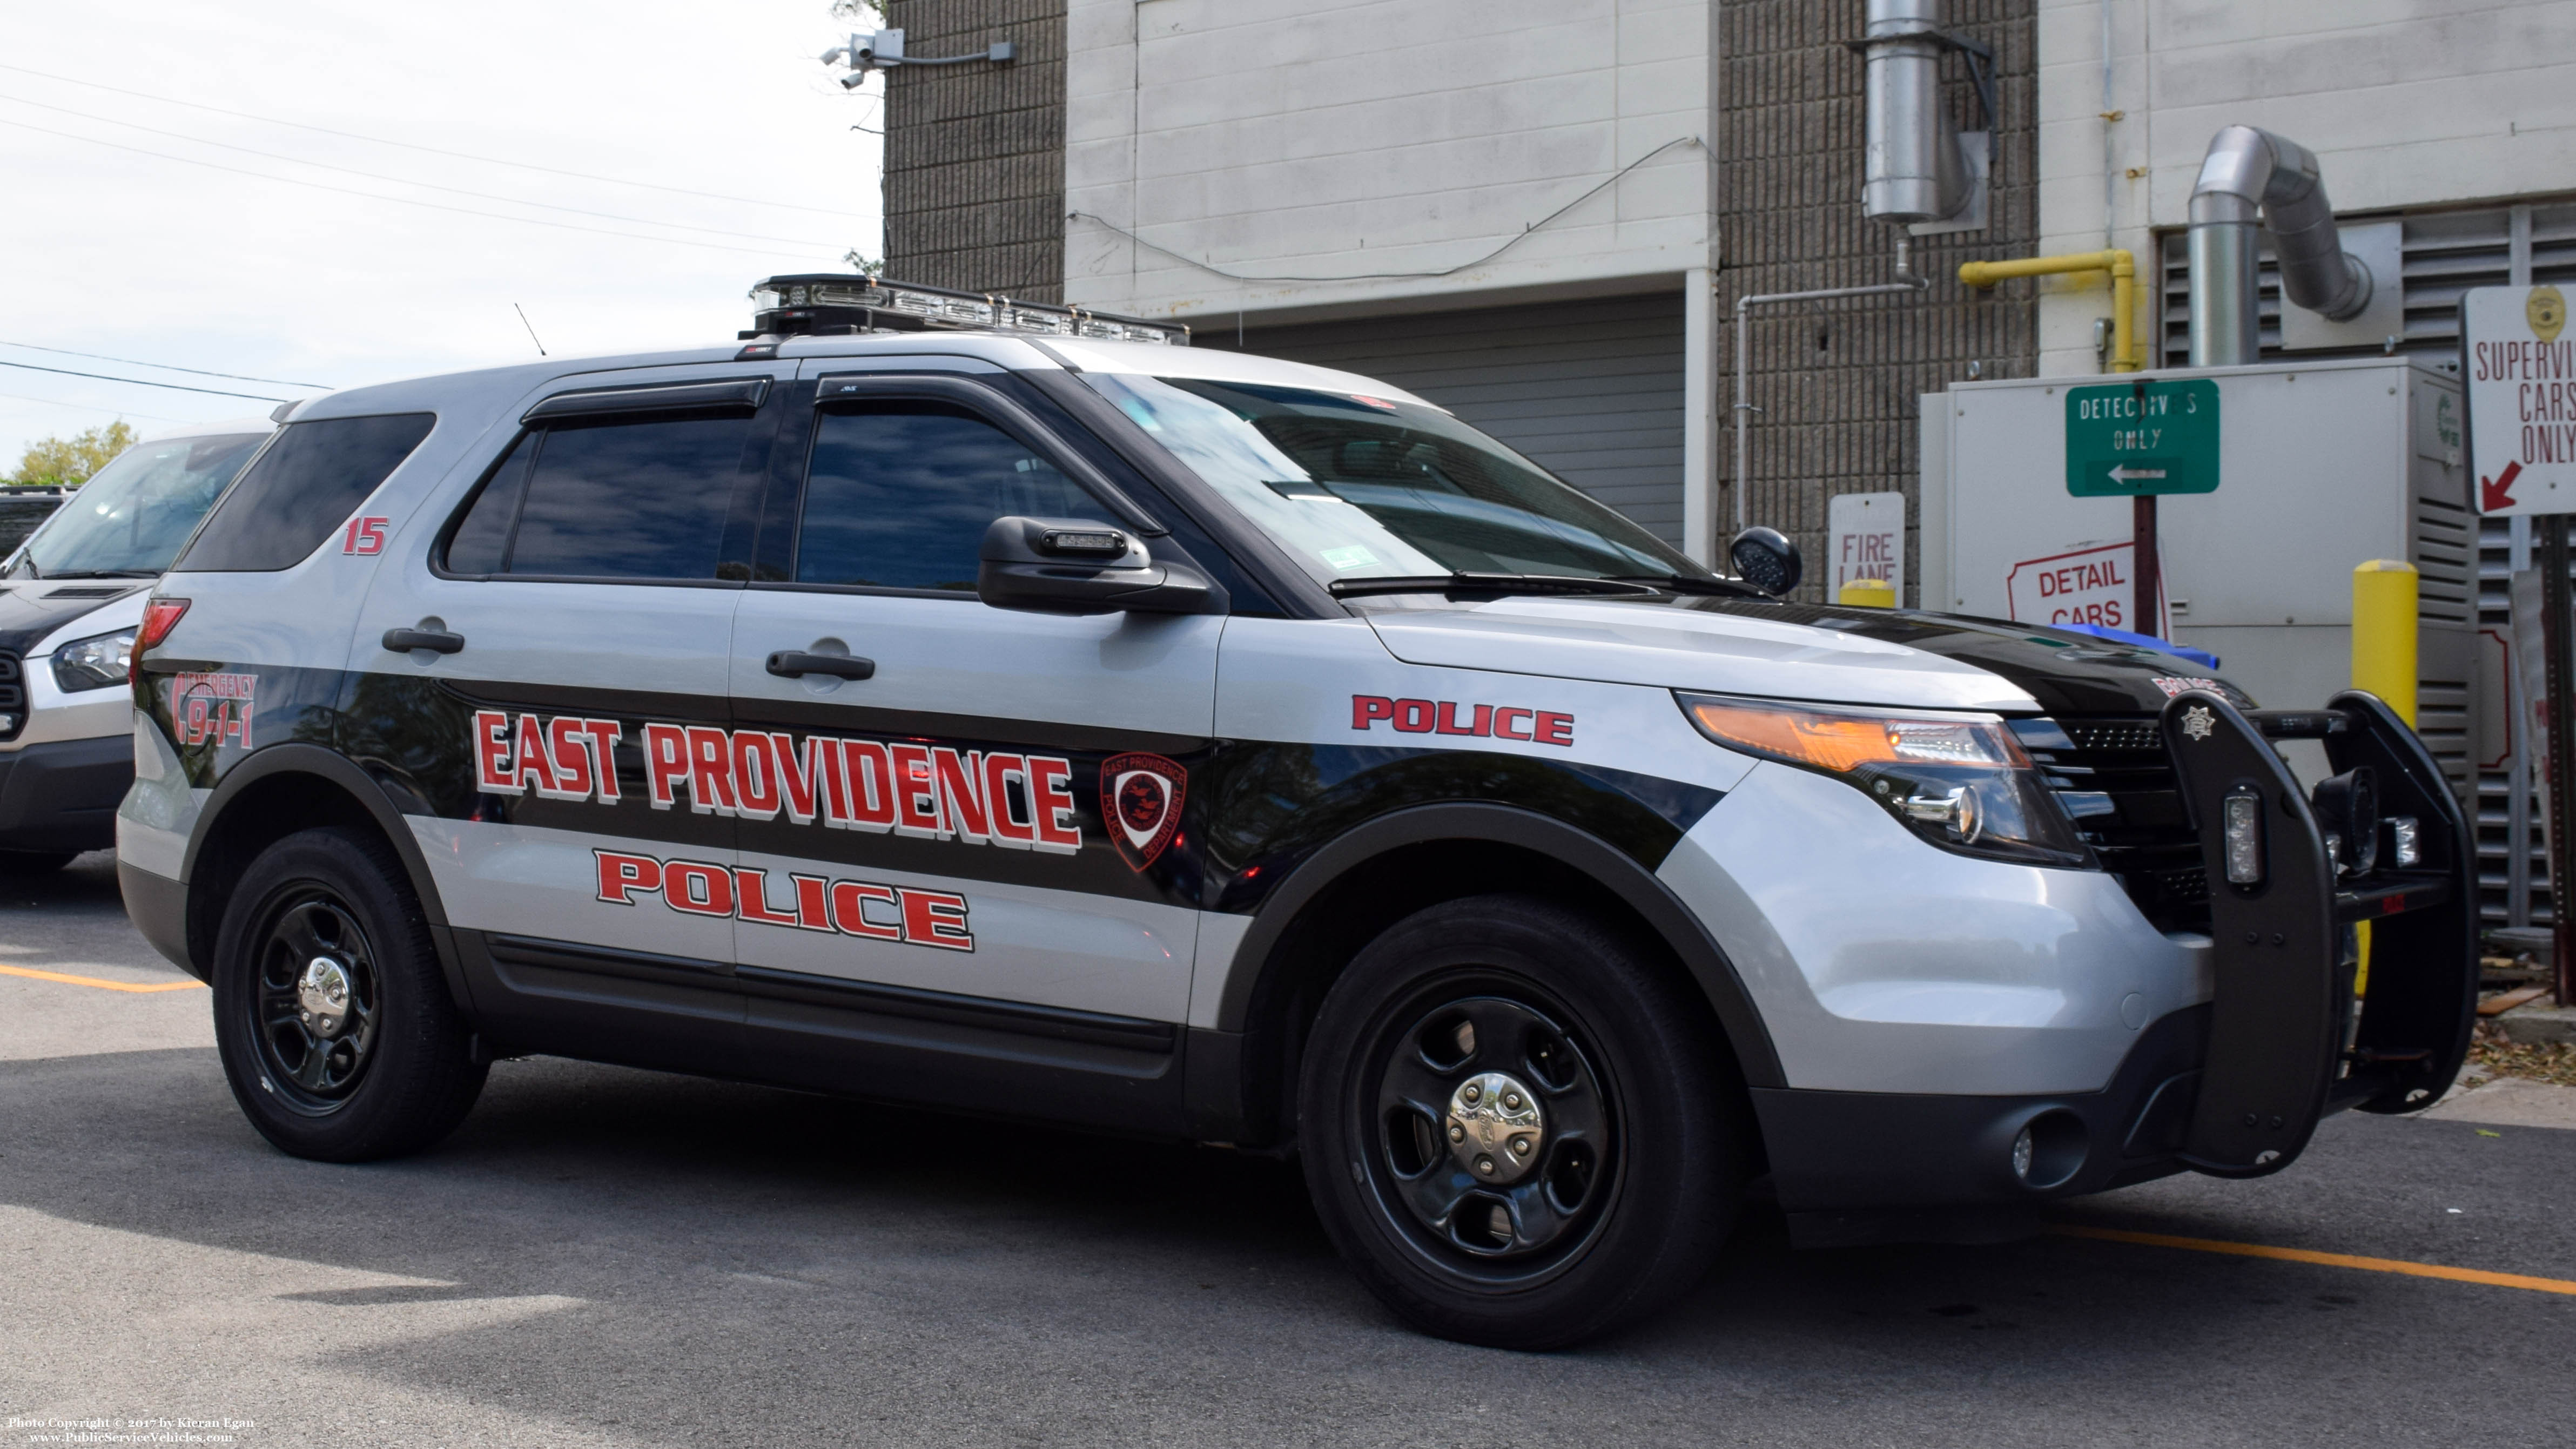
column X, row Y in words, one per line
column 974, row 154
column 1837, row 382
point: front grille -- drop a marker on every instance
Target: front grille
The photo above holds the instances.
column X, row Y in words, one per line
column 13, row 698
column 2114, row 779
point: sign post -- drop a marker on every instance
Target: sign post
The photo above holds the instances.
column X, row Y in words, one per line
column 2141, row 440
column 2521, row 383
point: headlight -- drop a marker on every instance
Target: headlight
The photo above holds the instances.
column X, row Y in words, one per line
column 94, row 663
column 1958, row 780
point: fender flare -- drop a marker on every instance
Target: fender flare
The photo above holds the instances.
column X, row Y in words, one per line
column 1578, row 850
column 339, row 770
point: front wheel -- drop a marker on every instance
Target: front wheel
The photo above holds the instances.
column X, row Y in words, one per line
column 332, row 1017
column 1519, row 1130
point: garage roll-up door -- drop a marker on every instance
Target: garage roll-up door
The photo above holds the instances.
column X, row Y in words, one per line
column 1591, row 390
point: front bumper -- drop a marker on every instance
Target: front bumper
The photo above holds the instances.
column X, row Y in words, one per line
column 1866, row 1167
column 2233, row 1087
column 62, row 794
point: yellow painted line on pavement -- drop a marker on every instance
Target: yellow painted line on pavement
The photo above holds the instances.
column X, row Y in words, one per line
column 2330, row 1260
column 101, row 982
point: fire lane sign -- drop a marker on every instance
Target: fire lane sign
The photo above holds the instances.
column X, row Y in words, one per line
column 2147, row 436
column 2522, row 399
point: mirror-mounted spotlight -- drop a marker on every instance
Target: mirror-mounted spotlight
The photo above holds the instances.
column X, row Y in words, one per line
column 1766, row 559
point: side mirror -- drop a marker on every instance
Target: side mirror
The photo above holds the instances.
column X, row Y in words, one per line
column 1078, row 566
column 1766, row 559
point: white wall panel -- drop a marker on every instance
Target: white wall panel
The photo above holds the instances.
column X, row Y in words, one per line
column 2407, row 103
column 1353, row 138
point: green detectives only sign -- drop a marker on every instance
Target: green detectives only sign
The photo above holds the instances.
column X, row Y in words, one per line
column 2138, row 437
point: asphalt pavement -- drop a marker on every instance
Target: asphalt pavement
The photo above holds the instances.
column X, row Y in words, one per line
column 610, row 1257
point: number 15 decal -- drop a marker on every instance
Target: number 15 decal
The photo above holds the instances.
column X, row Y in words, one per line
column 364, row 536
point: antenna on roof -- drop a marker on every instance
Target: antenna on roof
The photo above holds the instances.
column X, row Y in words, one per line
column 532, row 327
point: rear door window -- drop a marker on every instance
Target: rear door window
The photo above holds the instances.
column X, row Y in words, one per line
column 299, row 492
column 898, row 495
column 623, row 498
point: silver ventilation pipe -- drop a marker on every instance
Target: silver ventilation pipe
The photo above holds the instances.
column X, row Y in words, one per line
column 1911, row 168
column 2249, row 176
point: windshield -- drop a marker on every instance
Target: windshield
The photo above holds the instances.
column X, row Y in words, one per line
column 131, row 517
column 1358, row 487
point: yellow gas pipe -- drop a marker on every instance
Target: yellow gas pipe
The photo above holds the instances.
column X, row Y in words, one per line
column 2126, row 354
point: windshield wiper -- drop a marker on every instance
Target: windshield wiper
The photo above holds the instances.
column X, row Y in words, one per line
column 103, row 574
column 1464, row 583
column 1685, row 584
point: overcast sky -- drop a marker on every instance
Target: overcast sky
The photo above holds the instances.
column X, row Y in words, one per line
column 163, row 258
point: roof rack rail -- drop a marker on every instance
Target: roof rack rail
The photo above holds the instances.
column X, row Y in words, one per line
column 843, row 304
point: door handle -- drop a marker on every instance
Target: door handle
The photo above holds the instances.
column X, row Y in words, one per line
column 437, row 641
column 796, row 664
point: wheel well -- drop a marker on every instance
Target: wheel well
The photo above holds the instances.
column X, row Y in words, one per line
column 265, row 812
column 1361, row 903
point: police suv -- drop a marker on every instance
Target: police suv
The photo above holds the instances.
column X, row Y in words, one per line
column 71, row 597
column 1026, row 715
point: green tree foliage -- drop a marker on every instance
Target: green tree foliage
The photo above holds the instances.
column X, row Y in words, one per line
column 72, row 460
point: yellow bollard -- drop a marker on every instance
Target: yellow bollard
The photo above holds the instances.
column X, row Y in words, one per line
column 2383, row 633
column 2383, row 662
column 1868, row 594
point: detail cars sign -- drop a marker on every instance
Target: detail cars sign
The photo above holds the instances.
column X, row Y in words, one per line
column 2088, row 584
column 2520, row 363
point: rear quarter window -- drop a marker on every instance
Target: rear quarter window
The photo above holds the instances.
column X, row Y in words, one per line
column 301, row 490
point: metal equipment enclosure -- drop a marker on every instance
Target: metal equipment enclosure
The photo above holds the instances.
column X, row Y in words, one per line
column 2322, row 466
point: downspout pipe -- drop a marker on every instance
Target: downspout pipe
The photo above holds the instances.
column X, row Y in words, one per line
column 1908, row 282
column 2252, row 177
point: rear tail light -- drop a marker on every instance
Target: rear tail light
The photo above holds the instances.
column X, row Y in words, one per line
column 160, row 616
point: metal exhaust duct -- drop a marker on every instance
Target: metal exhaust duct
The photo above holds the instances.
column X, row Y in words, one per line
column 1911, row 170
column 2249, row 175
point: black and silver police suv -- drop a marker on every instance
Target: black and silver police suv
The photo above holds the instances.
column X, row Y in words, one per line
column 1030, row 715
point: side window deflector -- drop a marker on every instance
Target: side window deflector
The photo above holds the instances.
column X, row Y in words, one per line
column 743, row 393
column 997, row 408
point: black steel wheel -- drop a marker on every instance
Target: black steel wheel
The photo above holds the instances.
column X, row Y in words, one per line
column 1520, row 1128
column 317, row 998
column 1496, row 1135
column 334, row 1021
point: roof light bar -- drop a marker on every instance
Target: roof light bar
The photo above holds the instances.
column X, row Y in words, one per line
column 846, row 304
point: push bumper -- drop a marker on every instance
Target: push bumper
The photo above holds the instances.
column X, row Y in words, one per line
column 2290, row 1040
column 2233, row 1087
column 62, row 794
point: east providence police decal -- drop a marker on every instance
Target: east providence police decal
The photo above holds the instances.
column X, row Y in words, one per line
column 1140, row 797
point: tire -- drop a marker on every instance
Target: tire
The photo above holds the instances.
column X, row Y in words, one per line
column 33, row 862
column 1638, row 1152
column 391, row 1073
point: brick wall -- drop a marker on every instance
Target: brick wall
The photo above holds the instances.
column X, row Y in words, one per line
column 1837, row 384
column 974, row 155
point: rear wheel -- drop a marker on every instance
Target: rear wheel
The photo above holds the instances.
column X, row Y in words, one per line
column 33, row 862
column 331, row 1014
column 1518, row 1130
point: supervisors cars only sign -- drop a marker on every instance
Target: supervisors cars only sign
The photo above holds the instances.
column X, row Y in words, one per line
column 2520, row 362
